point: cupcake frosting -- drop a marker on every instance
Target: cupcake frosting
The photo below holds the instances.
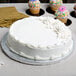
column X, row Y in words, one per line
column 55, row 2
column 62, row 12
column 34, row 4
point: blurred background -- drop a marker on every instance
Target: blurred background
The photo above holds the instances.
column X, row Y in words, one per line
column 25, row 1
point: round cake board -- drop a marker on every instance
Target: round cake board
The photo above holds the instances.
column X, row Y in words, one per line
column 25, row 60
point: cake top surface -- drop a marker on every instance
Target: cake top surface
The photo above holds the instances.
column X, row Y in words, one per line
column 40, row 32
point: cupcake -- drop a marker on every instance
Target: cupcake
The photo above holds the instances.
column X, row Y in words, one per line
column 34, row 6
column 75, row 9
column 55, row 4
column 62, row 14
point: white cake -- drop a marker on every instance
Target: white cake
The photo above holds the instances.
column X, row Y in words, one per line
column 40, row 38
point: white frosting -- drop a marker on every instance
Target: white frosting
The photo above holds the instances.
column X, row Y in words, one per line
column 1, row 63
column 40, row 38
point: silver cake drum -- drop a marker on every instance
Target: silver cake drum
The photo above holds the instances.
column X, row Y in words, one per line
column 25, row 60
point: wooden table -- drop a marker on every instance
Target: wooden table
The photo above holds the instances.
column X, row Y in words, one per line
column 66, row 67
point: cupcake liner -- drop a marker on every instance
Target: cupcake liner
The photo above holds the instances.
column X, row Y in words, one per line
column 63, row 20
column 34, row 7
column 35, row 11
column 75, row 11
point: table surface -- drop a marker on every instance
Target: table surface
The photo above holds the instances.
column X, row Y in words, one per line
column 66, row 67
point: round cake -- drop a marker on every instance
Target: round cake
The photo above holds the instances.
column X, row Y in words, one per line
column 40, row 38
